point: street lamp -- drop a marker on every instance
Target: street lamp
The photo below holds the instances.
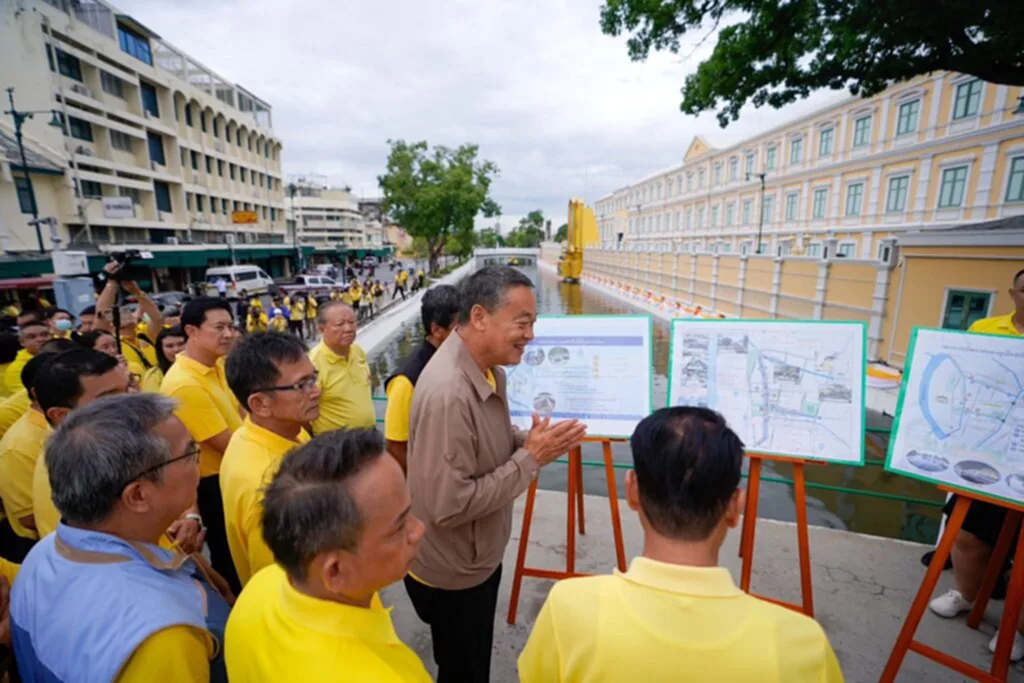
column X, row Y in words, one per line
column 19, row 118
column 760, row 219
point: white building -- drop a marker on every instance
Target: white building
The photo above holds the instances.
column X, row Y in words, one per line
column 325, row 216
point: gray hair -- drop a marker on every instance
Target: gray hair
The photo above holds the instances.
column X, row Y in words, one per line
column 321, row 312
column 102, row 447
column 307, row 507
column 487, row 287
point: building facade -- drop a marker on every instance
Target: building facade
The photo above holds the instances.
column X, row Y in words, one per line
column 325, row 217
column 163, row 150
column 940, row 150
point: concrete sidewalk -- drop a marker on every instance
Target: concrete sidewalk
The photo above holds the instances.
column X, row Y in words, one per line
column 863, row 587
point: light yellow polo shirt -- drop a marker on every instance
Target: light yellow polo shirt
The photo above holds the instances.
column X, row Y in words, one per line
column 346, row 400
column 275, row 633
column 135, row 352
column 12, row 374
column 998, row 324
column 666, row 622
column 151, row 380
column 249, row 463
column 46, row 514
column 205, row 405
column 20, row 448
column 13, row 407
column 396, row 417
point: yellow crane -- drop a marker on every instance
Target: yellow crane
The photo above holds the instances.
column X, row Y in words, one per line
column 582, row 232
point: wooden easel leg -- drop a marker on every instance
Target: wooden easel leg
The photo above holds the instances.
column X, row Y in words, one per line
column 578, row 464
column 1011, row 613
column 613, row 503
column 924, row 593
column 750, row 523
column 570, row 530
column 995, row 567
column 800, row 499
column 524, row 541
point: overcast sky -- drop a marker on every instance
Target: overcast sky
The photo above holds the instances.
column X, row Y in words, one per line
column 557, row 105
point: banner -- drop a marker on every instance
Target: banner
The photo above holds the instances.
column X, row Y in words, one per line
column 243, row 217
column 118, row 207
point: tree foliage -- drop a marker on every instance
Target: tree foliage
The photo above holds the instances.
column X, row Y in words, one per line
column 489, row 238
column 529, row 233
column 562, row 234
column 436, row 194
column 776, row 51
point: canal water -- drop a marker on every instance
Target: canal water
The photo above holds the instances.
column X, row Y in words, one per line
column 861, row 499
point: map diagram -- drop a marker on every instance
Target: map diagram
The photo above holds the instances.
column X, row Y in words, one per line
column 786, row 388
column 960, row 419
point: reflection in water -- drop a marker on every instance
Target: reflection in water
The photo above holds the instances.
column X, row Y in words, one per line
column 838, row 509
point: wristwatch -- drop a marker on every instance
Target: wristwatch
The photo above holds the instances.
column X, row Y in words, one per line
column 195, row 517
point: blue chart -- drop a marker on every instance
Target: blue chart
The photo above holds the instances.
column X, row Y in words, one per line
column 596, row 369
column 960, row 419
column 786, row 388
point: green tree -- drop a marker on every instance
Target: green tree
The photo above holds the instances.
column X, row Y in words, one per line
column 776, row 51
column 489, row 238
column 437, row 193
column 562, row 234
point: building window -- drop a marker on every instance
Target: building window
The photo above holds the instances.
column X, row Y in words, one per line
column 231, row 171
column 862, row 131
column 907, row 120
column 195, row 160
column 1015, row 185
column 791, row 200
column 216, row 127
column 188, row 115
column 783, row 248
column 847, row 249
column 766, row 209
column 202, row 121
column 951, row 194
column 700, row 218
column 968, row 99
column 750, row 165
column 273, row 214
column 82, row 130
column 825, row 139
column 209, row 164
column 770, row 159
column 241, row 173
column 238, row 137
column 689, row 182
column 730, row 213
column 220, row 168
column 746, row 212
column 121, row 141
column 24, row 195
column 820, row 198
column 91, row 189
column 149, row 101
column 884, row 251
column 964, row 308
column 714, row 216
column 156, row 148
column 188, row 201
column 111, row 84
column 718, row 174
column 814, row 249
column 796, row 151
column 270, row 183
column 266, row 149
column 213, row 205
column 734, row 168
column 67, row 65
column 199, row 203
column 134, row 44
column 689, row 218
column 854, row 199
column 896, row 199
column 700, row 180
column 249, row 141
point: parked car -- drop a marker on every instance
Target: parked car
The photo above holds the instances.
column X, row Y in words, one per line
column 318, row 284
column 170, row 299
column 248, row 277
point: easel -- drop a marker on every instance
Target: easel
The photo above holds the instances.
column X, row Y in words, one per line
column 1011, row 607
column 574, row 492
column 750, row 527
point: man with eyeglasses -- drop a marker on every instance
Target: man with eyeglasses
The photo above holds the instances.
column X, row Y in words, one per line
column 273, row 378
column 344, row 373
column 123, row 468
column 209, row 411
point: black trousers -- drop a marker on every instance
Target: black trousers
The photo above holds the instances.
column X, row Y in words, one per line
column 13, row 547
column 296, row 328
column 211, row 507
column 461, row 626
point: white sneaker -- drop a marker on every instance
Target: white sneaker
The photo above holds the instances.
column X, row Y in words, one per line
column 950, row 604
column 1018, row 646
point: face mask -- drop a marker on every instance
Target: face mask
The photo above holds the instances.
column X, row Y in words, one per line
column 63, row 325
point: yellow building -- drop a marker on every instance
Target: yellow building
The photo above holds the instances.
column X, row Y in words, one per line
column 162, row 147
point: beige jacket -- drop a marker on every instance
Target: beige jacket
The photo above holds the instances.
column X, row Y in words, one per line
column 466, row 468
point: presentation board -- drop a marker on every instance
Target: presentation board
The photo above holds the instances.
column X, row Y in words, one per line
column 595, row 368
column 786, row 388
column 960, row 416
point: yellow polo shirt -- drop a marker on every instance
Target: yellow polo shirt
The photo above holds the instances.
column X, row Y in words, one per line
column 278, row 324
column 9, row 570
column 13, row 407
column 12, row 375
column 46, row 513
column 998, row 324
column 665, row 622
column 311, row 306
column 276, row 633
column 396, row 418
column 135, row 351
column 20, row 448
column 298, row 311
column 4, row 389
column 205, row 404
column 346, row 400
column 178, row 653
column 151, row 380
column 249, row 463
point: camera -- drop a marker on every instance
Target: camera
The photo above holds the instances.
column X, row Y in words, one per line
column 126, row 259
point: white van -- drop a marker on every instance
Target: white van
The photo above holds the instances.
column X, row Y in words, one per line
column 250, row 278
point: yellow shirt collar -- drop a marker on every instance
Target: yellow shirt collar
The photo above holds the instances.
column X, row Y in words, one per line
column 1005, row 322
column 371, row 623
column 710, row 582
column 192, row 365
column 271, row 441
column 334, row 358
column 37, row 419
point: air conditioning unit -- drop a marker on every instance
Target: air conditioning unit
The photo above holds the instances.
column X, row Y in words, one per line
column 84, row 151
column 172, row 240
column 153, row 165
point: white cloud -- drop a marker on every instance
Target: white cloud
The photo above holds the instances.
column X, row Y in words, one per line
column 550, row 99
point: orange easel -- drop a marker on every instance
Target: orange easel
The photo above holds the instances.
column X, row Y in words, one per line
column 575, row 506
column 1011, row 607
column 750, row 527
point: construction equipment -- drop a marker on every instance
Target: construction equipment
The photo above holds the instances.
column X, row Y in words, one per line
column 582, row 232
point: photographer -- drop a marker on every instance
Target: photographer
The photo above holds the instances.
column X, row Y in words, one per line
column 135, row 347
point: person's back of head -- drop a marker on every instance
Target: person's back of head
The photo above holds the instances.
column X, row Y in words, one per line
column 9, row 347
column 76, row 377
column 32, row 368
column 440, row 307
column 686, row 474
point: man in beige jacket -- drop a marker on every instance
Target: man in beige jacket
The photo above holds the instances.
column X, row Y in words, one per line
column 467, row 465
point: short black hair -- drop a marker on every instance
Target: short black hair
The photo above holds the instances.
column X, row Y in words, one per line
column 34, row 322
column 29, row 315
column 88, row 310
column 59, row 382
column 307, row 507
column 58, row 345
column 32, row 368
column 1017, row 276
column 161, row 359
column 194, row 312
column 49, row 313
column 9, row 346
column 440, row 306
column 89, row 339
column 688, row 463
column 252, row 364
column 487, row 287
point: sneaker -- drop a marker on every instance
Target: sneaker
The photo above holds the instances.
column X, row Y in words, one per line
column 950, row 604
column 1018, row 646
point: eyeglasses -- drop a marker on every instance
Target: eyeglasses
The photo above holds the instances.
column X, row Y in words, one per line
column 192, row 452
column 304, row 385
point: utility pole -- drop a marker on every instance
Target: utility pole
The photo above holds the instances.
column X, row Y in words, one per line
column 760, row 218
